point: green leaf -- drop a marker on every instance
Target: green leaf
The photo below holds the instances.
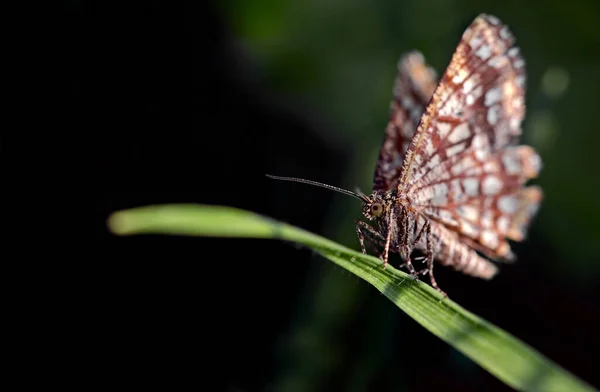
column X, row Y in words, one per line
column 501, row 354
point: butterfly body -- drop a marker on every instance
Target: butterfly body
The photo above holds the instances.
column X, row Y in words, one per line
column 401, row 228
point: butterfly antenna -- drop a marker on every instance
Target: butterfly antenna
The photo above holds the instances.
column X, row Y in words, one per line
column 359, row 195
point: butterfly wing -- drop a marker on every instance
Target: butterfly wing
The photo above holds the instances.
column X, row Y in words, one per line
column 486, row 201
column 413, row 89
column 461, row 168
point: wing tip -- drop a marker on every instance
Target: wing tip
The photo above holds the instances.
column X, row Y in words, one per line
column 489, row 18
column 531, row 198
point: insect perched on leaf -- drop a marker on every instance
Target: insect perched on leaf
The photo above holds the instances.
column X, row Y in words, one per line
column 450, row 178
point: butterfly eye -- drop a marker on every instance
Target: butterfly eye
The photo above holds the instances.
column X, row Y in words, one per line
column 376, row 209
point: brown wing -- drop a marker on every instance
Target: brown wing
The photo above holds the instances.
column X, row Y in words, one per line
column 461, row 167
column 453, row 251
column 481, row 92
column 486, row 201
column 413, row 88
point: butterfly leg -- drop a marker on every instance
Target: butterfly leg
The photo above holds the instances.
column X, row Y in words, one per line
column 415, row 273
column 388, row 238
column 411, row 268
column 428, row 236
column 374, row 236
column 405, row 247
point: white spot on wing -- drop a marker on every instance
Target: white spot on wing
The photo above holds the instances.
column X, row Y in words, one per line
column 460, row 76
column 475, row 42
column 439, row 200
column 462, row 165
column 473, row 95
column 480, row 141
column 469, row 229
column 519, row 63
column 468, row 212
column 434, row 161
column 515, row 123
column 535, row 162
column 493, row 20
column 511, row 163
column 481, row 146
column 440, row 189
column 456, row 149
column 491, row 185
column 508, row 204
column 498, row 62
column 487, row 219
column 418, row 160
column 489, row 239
column 492, row 115
column 459, row 133
column 503, row 224
column 443, row 129
column 447, row 217
column 471, row 186
column 513, row 52
column 429, row 148
column 484, row 52
column 469, row 84
column 492, row 96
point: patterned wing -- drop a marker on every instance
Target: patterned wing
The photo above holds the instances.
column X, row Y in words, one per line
column 481, row 92
column 486, row 201
column 455, row 252
column 461, row 168
column 413, row 89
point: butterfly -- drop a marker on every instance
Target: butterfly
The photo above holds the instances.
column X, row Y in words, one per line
column 450, row 179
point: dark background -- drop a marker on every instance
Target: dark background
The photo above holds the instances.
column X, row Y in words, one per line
column 196, row 104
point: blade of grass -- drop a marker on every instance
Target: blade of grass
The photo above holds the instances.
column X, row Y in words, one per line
column 506, row 357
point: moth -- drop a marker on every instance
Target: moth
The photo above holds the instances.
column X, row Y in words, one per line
column 450, row 180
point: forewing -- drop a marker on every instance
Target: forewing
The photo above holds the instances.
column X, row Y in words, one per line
column 413, row 89
column 481, row 92
column 461, row 168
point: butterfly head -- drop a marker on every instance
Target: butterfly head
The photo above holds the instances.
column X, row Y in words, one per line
column 375, row 206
